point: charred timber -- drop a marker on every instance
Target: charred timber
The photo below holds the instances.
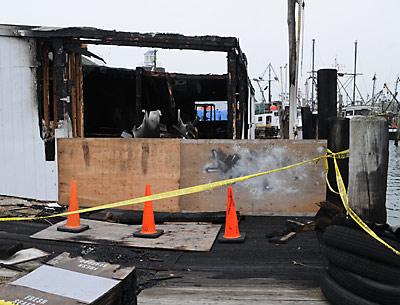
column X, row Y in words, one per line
column 135, row 217
column 158, row 40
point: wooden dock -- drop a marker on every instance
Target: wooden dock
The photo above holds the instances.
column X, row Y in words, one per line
column 256, row 272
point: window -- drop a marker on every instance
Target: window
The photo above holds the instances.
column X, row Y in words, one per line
column 260, row 119
column 362, row 112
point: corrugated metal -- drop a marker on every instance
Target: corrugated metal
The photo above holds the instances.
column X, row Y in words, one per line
column 24, row 171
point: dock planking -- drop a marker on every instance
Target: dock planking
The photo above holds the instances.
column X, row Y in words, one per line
column 256, row 272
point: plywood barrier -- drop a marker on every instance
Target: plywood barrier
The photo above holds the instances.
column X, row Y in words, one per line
column 287, row 192
column 108, row 170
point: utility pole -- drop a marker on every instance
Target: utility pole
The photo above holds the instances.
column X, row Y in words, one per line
column 298, row 38
column 355, row 73
column 313, row 76
column 292, row 68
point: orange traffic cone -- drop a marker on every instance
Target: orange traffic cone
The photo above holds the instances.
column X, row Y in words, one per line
column 73, row 224
column 148, row 229
column 232, row 233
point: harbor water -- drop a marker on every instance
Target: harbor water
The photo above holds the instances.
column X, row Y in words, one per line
column 393, row 186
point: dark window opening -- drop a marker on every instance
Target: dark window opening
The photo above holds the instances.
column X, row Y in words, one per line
column 116, row 98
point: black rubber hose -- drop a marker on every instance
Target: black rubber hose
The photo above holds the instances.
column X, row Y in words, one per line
column 360, row 243
column 337, row 295
column 362, row 266
column 377, row 292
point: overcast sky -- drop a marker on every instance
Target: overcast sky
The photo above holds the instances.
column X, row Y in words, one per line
column 259, row 24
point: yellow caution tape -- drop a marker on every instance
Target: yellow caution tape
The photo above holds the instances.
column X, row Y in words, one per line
column 2, row 302
column 342, row 155
column 210, row 186
column 349, row 210
column 175, row 193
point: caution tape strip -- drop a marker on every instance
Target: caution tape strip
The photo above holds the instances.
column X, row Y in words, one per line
column 177, row 193
column 2, row 302
column 210, row 186
column 349, row 210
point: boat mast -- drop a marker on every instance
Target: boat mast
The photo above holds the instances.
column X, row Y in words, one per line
column 355, row 73
column 282, row 86
column 269, row 85
column 373, row 90
column 313, row 76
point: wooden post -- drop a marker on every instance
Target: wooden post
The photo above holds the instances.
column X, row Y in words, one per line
column 338, row 140
column 59, row 77
column 243, row 100
column 72, row 92
column 139, row 96
column 307, row 123
column 397, row 137
column 46, row 96
column 292, row 68
column 79, row 96
column 232, row 80
column 327, row 99
column 368, row 166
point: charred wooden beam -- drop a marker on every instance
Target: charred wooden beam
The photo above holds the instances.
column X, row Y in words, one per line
column 72, row 91
column 183, row 76
column 139, row 95
column 243, row 98
column 231, row 94
column 159, row 40
column 79, row 96
column 59, row 78
column 46, row 94
column 172, row 104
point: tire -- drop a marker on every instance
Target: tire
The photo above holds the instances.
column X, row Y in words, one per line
column 362, row 266
column 337, row 295
column 368, row 289
column 360, row 243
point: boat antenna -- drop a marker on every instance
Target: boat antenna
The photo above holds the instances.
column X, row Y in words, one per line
column 355, row 73
column 313, row 76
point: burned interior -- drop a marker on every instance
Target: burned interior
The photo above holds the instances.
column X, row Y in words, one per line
column 77, row 99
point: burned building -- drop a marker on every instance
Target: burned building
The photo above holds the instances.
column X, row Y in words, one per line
column 48, row 92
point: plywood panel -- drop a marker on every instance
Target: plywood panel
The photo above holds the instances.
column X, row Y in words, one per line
column 289, row 192
column 110, row 170
column 188, row 237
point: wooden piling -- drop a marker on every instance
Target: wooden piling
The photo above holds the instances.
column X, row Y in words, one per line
column 397, row 137
column 368, row 166
column 327, row 99
column 338, row 140
column 307, row 123
column 292, row 69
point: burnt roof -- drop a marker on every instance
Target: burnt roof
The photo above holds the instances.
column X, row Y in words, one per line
column 92, row 35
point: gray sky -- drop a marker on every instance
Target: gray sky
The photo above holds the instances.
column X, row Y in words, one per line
column 259, row 24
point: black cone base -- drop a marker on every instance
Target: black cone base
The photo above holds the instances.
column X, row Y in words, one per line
column 238, row 240
column 79, row 229
column 143, row 235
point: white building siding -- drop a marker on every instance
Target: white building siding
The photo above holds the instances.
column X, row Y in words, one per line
column 24, row 171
